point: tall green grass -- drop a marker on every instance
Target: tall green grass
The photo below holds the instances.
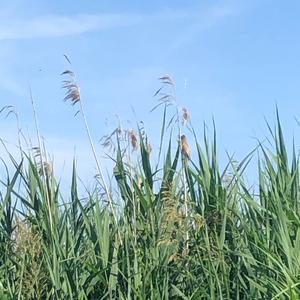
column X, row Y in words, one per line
column 165, row 227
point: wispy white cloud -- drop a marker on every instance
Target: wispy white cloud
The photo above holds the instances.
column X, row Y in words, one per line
column 50, row 26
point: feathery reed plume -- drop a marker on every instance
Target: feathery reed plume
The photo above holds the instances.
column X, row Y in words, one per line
column 165, row 98
column 71, row 87
column 36, row 151
column 185, row 148
column 185, row 116
column 107, row 140
column 133, row 139
column 229, row 177
column 167, row 79
column 47, row 169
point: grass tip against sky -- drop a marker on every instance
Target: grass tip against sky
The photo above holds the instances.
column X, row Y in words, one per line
column 232, row 60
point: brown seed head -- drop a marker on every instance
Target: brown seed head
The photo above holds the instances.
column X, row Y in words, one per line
column 185, row 116
column 71, row 87
column 133, row 139
column 47, row 169
column 185, row 148
column 167, row 79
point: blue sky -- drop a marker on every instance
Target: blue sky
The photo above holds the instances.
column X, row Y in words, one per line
column 233, row 60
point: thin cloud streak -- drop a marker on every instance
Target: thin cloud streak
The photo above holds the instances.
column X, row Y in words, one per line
column 54, row 26
column 51, row 26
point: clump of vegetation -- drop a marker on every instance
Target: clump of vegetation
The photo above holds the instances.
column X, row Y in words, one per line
column 170, row 225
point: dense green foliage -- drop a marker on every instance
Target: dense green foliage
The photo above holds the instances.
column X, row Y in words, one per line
column 184, row 230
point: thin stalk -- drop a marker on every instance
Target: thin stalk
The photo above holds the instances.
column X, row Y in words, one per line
column 136, row 274
column 41, row 153
column 104, row 185
column 19, row 137
column 184, row 165
column 132, row 189
column 186, row 208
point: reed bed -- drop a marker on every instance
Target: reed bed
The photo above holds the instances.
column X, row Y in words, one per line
column 168, row 225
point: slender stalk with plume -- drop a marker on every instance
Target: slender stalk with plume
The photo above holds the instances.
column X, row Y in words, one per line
column 73, row 95
column 169, row 99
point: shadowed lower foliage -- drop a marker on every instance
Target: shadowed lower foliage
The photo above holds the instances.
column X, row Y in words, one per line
column 184, row 230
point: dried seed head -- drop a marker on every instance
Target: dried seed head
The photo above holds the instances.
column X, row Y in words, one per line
column 36, row 151
column 133, row 139
column 107, row 141
column 185, row 148
column 167, row 79
column 47, row 169
column 185, row 116
column 71, row 87
column 68, row 72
